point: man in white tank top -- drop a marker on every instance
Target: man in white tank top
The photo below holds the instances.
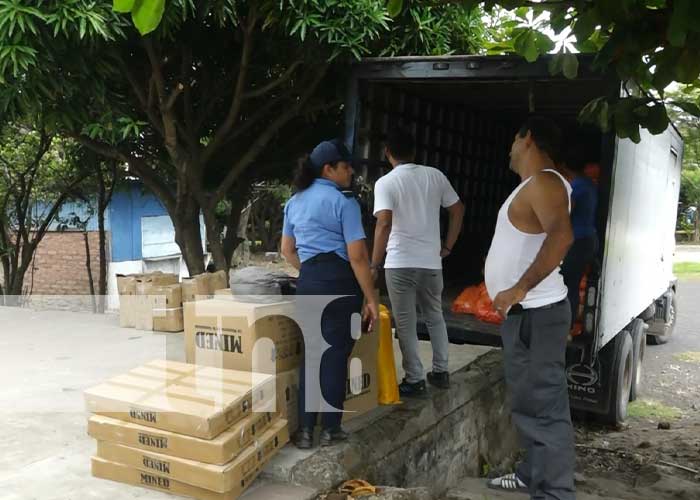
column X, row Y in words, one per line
column 532, row 237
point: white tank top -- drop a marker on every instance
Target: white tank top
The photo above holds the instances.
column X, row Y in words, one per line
column 513, row 252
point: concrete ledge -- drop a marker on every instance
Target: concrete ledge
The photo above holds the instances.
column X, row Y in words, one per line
column 431, row 442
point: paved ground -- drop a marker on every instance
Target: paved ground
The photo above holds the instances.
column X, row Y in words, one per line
column 49, row 358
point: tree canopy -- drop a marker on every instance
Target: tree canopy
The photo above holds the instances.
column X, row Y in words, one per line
column 207, row 101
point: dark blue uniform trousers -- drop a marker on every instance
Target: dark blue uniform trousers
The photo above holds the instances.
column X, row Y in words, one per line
column 329, row 274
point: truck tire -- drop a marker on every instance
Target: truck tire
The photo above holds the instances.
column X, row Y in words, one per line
column 621, row 375
column 669, row 328
column 639, row 344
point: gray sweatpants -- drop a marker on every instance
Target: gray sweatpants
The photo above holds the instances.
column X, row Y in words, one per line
column 408, row 288
column 534, row 349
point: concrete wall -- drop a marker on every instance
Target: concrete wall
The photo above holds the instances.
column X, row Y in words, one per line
column 463, row 431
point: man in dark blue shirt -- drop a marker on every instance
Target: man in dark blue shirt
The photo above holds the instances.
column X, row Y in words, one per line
column 584, row 203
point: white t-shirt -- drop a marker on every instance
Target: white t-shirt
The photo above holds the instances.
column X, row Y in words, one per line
column 414, row 194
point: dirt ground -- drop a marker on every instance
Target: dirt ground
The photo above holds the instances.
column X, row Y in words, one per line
column 641, row 461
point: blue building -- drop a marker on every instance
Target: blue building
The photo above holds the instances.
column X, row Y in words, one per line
column 140, row 233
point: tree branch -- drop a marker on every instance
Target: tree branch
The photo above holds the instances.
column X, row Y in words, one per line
column 237, row 99
column 262, row 140
column 274, row 84
column 173, row 96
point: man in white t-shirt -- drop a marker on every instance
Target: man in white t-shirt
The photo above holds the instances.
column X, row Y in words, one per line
column 407, row 205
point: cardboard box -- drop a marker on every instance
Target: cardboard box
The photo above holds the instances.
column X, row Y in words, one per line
column 166, row 296
column 168, row 320
column 126, row 287
column 362, row 389
column 203, row 286
column 187, row 477
column 231, row 334
column 193, row 400
column 153, row 292
column 223, row 448
column 223, row 292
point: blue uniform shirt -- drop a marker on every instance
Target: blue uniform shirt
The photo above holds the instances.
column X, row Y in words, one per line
column 322, row 220
column 584, row 196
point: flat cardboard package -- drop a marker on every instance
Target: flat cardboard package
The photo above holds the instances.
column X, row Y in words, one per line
column 203, row 286
column 168, row 320
column 223, row 448
column 218, row 478
column 242, row 335
column 164, row 473
column 197, row 401
column 223, row 292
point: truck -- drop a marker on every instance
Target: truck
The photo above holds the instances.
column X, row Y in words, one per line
column 465, row 111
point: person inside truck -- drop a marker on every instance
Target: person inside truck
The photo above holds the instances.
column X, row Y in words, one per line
column 407, row 204
column 323, row 238
column 584, row 200
column 533, row 234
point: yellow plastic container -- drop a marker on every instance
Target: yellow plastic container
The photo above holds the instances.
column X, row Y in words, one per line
column 386, row 366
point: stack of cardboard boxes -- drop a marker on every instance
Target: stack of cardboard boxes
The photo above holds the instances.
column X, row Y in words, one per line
column 263, row 338
column 203, row 286
column 189, row 430
column 154, row 301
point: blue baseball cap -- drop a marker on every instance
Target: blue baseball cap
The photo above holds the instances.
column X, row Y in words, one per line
column 329, row 152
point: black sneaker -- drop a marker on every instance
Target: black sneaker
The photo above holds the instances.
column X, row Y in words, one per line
column 440, row 380
column 333, row 436
column 304, row 439
column 416, row 389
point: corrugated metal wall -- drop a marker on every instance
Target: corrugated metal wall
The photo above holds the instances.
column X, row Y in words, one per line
column 470, row 147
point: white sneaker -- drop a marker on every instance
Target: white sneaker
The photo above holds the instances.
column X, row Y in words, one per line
column 509, row 482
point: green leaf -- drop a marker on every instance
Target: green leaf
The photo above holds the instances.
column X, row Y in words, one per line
column 559, row 21
column 656, row 120
column 147, row 15
column 570, row 66
column 123, row 5
column 394, row 7
column 543, row 42
column 585, row 25
column 678, row 25
column 526, row 46
column 688, row 66
column 556, row 64
column 688, row 107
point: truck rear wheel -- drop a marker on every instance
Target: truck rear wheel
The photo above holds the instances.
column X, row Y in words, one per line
column 669, row 327
column 621, row 375
column 639, row 344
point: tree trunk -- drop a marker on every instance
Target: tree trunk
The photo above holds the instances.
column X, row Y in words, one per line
column 102, row 203
column 88, row 266
column 214, row 239
column 189, row 239
column 696, row 232
column 233, row 237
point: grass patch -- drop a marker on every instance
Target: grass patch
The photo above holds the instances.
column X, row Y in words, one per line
column 688, row 357
column 643, row 408
column 684, row 269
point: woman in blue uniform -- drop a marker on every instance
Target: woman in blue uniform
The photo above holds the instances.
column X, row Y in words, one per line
column 323, row 237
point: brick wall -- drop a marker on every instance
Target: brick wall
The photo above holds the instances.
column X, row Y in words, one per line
column 59, row 266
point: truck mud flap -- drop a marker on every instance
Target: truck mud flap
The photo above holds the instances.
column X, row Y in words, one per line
column 589, row 384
